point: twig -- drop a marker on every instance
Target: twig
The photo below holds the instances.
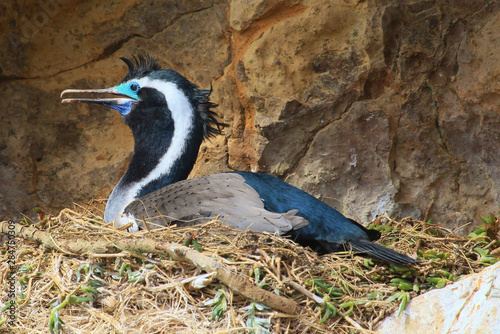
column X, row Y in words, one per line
column 235, row 281
column 305, row 292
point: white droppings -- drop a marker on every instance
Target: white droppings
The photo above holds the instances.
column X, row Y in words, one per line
column 381, row 206
column 354, row 158
column 126, row 219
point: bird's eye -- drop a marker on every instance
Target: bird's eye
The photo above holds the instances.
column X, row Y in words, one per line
column 134, row 87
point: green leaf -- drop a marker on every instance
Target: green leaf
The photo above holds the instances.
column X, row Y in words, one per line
column 79, row 300
column 7, row 306
column 25, row 269
column 405, row 300
column 374, row 295
column 95, row 283
column 220, row 304
column 196, row 245
column 85, row 267
column 98, row 270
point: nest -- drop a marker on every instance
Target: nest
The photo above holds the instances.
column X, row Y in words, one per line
column 76, row 274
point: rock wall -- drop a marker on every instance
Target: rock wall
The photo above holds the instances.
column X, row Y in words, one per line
column 373, row 106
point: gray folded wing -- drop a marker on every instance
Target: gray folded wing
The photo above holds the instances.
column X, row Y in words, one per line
column 197, row 200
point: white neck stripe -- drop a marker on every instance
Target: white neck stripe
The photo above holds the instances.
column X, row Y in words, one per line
column 182, row 114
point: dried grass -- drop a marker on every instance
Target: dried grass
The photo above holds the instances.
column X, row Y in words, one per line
column 161, row 298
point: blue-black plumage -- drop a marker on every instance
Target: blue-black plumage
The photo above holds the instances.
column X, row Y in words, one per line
column 169, row 118
column 328, row 230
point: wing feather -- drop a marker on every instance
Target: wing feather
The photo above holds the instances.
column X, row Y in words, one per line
column 200, row 199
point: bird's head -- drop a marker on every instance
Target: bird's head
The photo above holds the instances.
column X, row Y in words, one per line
column 152, row 99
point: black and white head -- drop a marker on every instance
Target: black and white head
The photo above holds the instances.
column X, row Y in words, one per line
column 150, row 95
column 169, row 118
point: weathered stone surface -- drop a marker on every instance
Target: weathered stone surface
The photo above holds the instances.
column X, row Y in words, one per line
column 53, row 155
column 360, row 160
column 468, row 306
column 373, row 106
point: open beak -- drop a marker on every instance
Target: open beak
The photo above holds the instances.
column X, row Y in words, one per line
column 108, row 101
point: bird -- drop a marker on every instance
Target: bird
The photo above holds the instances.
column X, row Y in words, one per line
column 170, row 117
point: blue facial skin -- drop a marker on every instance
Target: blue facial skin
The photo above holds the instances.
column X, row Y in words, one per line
column 129, row 89
column 123, row 109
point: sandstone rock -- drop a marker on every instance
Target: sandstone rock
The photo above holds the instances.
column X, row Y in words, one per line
column 468, row 306
column 373, row 106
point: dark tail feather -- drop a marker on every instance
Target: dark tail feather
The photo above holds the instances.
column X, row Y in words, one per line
column 380, row 252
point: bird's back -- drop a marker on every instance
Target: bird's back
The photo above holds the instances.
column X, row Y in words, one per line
column 325, row 223
column 249, row 200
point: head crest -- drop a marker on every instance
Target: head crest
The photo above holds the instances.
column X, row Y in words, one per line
column 140, row 66
column 211, row 126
